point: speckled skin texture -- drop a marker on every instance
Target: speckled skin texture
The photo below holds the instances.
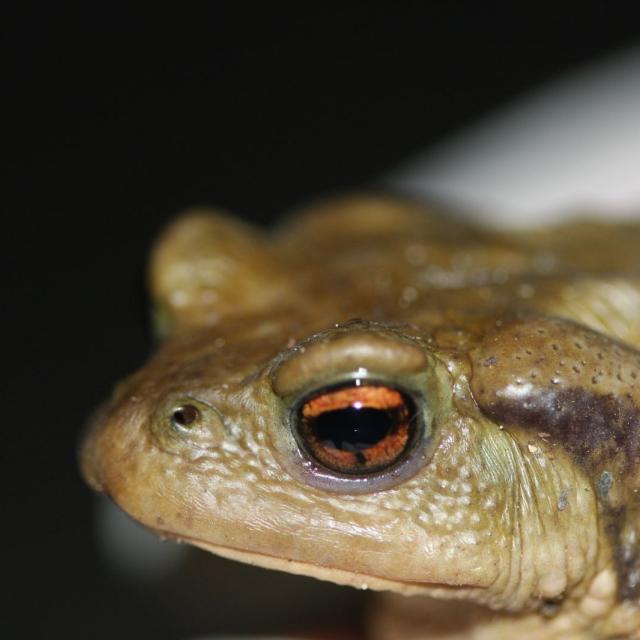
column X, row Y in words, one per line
column 522, row 349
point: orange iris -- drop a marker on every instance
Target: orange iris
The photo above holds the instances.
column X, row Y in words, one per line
column 357, row 428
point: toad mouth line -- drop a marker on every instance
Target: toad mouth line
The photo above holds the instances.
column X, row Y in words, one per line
column 339, row 576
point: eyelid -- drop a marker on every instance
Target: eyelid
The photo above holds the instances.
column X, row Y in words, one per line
column 326, row 358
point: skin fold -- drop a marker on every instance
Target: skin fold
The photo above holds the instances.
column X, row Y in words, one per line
column 518, row 490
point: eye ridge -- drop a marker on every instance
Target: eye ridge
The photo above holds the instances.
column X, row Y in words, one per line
column 357, row 428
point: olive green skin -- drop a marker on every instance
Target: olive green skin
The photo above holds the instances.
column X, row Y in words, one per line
column 521, row 349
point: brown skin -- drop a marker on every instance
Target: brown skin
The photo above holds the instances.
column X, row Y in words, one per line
column 520, row 490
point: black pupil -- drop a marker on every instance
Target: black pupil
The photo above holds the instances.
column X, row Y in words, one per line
column 185, row 416
column 352, row 429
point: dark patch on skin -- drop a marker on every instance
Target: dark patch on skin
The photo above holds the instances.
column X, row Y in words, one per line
column 605, row 482
column 579, row 388
column 592, row 427
column 627, row 553
column 549, row 608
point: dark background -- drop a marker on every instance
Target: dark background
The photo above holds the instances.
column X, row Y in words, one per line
column 119, row 117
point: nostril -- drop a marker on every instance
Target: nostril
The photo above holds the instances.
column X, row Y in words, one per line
column 183, row 425
column 185, row 416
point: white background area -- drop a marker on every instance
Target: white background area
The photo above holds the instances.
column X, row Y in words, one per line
column 569, row 148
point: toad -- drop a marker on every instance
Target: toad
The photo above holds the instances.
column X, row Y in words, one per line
column 382, row 396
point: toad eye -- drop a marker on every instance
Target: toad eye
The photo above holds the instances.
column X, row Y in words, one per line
column 357, row 428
